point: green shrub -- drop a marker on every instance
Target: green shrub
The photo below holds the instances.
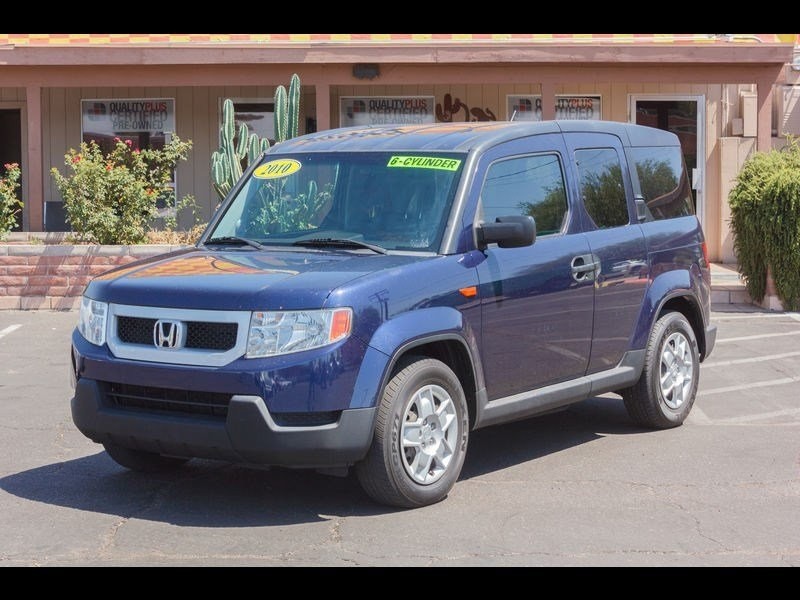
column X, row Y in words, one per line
column 765, row 217
column 113, row 198
column 10, row 205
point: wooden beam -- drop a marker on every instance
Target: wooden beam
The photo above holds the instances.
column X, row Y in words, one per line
column 33, row 213
column 397, row 74
column 323, row 99
column 431, row 53
column 764, row 103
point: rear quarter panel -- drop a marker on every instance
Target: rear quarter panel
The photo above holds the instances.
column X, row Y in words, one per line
column 676, row 267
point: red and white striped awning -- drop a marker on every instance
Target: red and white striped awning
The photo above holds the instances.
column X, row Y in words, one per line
column 246, row 39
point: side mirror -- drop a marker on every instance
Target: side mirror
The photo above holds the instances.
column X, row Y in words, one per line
column 507, row 232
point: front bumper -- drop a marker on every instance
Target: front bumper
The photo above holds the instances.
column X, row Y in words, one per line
column 248, row 434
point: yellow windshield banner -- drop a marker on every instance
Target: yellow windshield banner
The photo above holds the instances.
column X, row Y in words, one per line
column 274, row 169
column 425, row 162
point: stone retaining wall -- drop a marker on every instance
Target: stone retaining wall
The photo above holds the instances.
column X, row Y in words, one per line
column 52, row 277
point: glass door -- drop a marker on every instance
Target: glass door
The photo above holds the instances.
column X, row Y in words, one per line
column 685, row 117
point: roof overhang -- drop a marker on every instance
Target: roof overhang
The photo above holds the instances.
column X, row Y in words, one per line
column 586, row 51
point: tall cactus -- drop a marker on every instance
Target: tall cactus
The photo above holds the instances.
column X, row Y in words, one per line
column 287, row 110
column 226, row 163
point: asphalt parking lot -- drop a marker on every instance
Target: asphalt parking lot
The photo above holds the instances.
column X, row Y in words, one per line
column 581, row 487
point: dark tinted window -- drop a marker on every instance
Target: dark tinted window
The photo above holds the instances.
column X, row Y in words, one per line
column 663, row 182
column 528, row 185
column 602, row 189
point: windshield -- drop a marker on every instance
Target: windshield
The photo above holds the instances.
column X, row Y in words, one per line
column 398, row 201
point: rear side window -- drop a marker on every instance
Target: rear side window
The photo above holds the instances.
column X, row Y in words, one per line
column 602, row 188
column 663, row 182
column 526, row 185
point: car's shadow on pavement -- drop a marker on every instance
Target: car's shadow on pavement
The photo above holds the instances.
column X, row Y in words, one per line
column 214, row 494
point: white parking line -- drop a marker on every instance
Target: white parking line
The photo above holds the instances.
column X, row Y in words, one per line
column 794, row 315
column 760, row 416
column 748, row 386
column 771, row 315
column 757, row 337
column 9, row 329
column 739, row 361
column 698, row 417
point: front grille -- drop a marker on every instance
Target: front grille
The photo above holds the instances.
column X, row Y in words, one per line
column 200, row 335
column 155, row 399
column 306, row 419
column 211, row 336
column 135, row 330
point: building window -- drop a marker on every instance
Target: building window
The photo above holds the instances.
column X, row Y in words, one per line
column 257, row 113
column 145, row 122
column 528, row 107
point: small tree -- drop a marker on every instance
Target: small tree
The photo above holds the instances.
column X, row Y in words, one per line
column 10, row 205
column 765, row 217
column 113, row 198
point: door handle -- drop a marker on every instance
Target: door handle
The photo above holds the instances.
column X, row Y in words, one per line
column 584, row 267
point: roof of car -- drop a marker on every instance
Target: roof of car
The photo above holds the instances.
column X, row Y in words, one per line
column 463, row 137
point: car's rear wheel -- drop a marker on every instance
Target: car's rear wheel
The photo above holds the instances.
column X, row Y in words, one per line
column 666, row 390
column 421, row 435
column 139, row 460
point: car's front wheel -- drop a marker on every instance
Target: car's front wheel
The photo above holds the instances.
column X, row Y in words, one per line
column 421, row 435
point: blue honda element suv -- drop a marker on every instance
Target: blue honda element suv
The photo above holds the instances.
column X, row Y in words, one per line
column 367, row 297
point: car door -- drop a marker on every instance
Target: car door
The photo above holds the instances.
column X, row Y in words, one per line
column 616, row 243
column 536, row 308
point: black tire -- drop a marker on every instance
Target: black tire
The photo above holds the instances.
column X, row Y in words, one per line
column 383, row 473
column 139, row 460
column 646, row 402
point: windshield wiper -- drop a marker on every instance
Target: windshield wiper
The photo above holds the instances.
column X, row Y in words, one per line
column 341, row 243
column 232, row 239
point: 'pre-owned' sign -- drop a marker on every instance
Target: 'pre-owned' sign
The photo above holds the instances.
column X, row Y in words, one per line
column 386, row 110
column 124, row 115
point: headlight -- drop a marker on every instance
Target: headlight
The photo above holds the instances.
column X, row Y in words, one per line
column 281, row 332
column 92, row 321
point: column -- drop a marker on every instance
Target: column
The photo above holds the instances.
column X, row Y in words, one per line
column 34, row 203
column 323, row 99
column 548, row 100
column 764, row 139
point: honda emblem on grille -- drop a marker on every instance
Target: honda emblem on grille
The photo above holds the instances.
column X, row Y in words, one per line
column 168, row 334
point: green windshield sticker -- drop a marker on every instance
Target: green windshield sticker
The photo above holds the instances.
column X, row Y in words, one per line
column 425, row 162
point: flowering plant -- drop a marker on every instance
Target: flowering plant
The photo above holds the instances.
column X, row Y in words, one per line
column 10, row 204
column 113, row 198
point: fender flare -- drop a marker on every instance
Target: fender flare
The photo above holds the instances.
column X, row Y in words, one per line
column 397, row 336
column 670, row 285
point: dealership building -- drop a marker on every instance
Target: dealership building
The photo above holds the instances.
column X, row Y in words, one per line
column 724, row 95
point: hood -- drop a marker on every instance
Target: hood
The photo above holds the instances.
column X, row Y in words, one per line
column 240, row 279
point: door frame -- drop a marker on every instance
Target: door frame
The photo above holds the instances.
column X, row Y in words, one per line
column 23, row 110
column 700, row 184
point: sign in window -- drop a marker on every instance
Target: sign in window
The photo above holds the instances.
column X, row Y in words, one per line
column 528, row 107
column 386, row 110
column 145, row 122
